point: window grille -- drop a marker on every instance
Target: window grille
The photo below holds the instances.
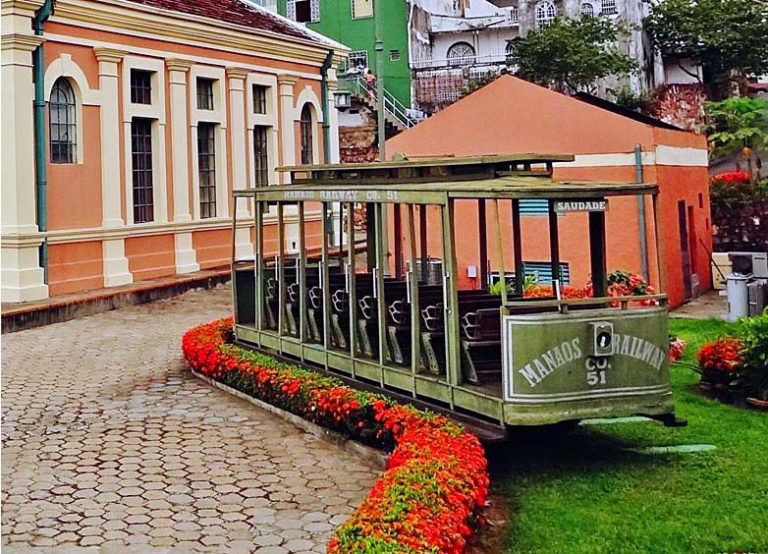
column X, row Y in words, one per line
column 141, row 158
column 588, row 9
column 204, row 94
column 303, row 11
column 358, row 59
column 461, row 53
column 62, row 112
column 259, row 99
column 362, row 8
column 261, row 155
column 543, row 272
column 608, row 7
column 534, row 206
column 306, row 135
column 545, row 13
column 141, row 86
column 206, row 168
column 394, row 55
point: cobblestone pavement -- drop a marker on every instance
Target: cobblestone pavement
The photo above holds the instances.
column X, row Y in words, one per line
column 110, row 445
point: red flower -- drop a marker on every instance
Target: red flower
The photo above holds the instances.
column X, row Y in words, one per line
column 436, row 478
column 721, row 355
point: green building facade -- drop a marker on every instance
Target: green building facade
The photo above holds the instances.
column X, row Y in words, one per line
column 352, row 23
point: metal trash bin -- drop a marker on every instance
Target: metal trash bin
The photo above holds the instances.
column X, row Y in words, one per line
column 738, row 295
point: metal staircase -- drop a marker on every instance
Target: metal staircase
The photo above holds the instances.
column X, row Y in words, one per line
column 396, row 115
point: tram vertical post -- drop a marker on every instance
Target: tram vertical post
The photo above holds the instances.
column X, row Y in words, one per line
column 302, row 277
column 398, row 232
column 499, row 250
column 413, row 283
column 554, row 245
column 517, row 244
column 280, row 269
column 483, row 242
column 380, row 227
column 597, row 254
column 352, row 293
column 423, row 244
column 452, row 357
column 258, row 264
column 325, row 289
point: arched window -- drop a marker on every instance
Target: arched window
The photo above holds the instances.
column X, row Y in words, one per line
column 510, row 50
column 461, row 53
column 545, row 13
column 305, row 123
column 62, row 112
column 588, row 9
column 608, row 7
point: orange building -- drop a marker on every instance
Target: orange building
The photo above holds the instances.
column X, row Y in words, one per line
column 513, row 116
column 151, row 112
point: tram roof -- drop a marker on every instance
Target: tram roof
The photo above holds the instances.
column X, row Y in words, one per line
column 512, row 186
column 431, row 162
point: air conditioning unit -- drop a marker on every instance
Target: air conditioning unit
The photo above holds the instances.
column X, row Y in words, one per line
column 757, row 294
column 745, row 263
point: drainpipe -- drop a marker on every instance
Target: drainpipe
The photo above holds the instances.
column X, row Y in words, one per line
column 327, row 132
column 38, row 68
column 324, row 93
column 641, row 214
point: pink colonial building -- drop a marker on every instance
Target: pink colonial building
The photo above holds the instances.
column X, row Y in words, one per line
column 126, row 124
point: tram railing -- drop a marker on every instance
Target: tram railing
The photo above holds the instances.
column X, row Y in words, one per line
column 563, row 304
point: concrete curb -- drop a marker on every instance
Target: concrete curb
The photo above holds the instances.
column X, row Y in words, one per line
column 58, row 309
column 373, row 457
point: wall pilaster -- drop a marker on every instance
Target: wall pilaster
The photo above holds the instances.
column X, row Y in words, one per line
column 22, row 277
column 116, row 271
column 178, row 74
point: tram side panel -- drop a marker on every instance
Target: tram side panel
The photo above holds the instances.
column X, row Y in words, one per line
column 588, row 363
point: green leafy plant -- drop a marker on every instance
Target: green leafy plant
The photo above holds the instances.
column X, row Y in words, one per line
column 572, row 54
column 753, row 332
column 737, row 123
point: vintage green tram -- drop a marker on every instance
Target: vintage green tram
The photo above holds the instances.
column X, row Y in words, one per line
column 355, row 274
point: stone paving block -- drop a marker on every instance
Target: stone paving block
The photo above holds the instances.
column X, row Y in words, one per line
column 111, row 445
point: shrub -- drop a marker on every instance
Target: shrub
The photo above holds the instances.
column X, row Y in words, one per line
column 753, row 332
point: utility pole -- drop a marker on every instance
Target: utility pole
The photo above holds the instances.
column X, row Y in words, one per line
column 379, row 48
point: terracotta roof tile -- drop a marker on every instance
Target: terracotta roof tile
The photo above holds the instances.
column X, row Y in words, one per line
column 230, row 11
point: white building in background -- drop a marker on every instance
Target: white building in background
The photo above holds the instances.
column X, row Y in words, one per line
column 453, row 42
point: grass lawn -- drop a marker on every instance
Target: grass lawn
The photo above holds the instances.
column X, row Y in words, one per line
column 584, row 493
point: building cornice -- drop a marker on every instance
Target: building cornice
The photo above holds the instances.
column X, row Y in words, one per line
column 237, row 72
column 178, row 64
column 23, row 42
column 105, row 54
column 125, row 17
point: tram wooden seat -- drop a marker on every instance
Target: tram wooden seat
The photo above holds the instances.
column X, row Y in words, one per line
column 399, row 320
column 480, row 320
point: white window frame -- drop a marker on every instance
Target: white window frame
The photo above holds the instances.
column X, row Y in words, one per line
column 269, row 119
column 545, row 13
column 608, row 7
column 154, row 111
column 314, row 10
column 592, row 9
column 352, row 10
column 217, row 116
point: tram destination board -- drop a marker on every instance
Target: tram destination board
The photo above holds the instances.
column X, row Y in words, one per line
column 576, row 205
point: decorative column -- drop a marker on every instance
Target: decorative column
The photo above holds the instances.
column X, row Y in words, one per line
column 178, row 70
column 333, row 117
column 236, row 77
column 22, row 277
column 116, row 271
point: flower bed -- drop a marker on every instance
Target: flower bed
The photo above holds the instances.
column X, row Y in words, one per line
column 436, row 479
